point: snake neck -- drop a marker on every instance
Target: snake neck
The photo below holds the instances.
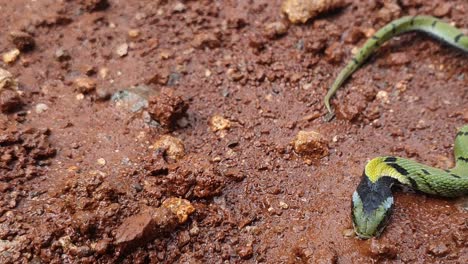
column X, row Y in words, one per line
column 385, row 166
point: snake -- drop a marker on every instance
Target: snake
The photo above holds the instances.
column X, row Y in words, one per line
column 372, row 201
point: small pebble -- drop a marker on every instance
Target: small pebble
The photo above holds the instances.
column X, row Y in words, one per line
column 275, row 29
column 79, row 96
column 218, row 123
column 179, row 7
column 62, row 55
column 382, row 96
column 122, row 50
column 41, row 108
column 180, row 207
column 7, row 81
column 234, row 74
column 11, row 56
column 101, row 246
column 383, row 249
column 348, row 232
column 101, row 161
column 134, row 33
column 438, row 249
column 283, row 205
column 299, row 11
column 245, row 252
column 442, row 9
column 172, row 147
column 84, row 85
column 310, row 145
column 103, row 73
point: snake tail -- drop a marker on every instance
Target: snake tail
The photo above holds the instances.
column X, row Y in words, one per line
column 372, row 201
column 433, row 26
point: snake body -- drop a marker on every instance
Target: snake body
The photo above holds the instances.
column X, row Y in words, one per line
column 372, row 201
column 433, row 26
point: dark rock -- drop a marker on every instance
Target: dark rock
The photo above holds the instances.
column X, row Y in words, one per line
column 22, row 40
column 10, row 101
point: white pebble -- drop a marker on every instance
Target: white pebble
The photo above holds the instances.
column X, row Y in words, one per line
column 41, row 108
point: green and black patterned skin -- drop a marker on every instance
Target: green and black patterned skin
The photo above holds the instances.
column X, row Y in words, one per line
column 372, row 201
column 433, row 26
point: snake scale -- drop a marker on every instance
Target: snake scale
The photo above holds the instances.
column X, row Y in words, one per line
column 372, row 202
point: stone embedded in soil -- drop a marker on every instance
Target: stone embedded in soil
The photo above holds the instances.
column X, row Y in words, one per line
column 390, row 10
column 11, row 56
column 310, row 145
column 218, row 122
column 41, row 108
column 22, row 40
column 10, row 101
column 141, row 228
column 180, row 207
column 354, row 35
column 179, row 7
column 101, row 246
column 84, row 85
column 334, row 52
column 206, row 40
column 353, row 108
column 135, row 230
column 234, row 74
column 299, row 11
column 438, row 249
column 172, row 147
column 62, row 55
column 7, row 81
column 442, row 9
column 383, row 249
column 275, row 29
column 398, row 59
column 167, row 107
column 133, row 99
column 245, row 252
column 134, row 33
column 122, row 50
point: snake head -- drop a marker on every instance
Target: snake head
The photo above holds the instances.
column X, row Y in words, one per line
column 372, row 206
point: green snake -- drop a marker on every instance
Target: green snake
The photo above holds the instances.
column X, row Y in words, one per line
column 372, row 201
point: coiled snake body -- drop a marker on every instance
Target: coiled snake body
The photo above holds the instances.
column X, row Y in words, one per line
column 372, row 202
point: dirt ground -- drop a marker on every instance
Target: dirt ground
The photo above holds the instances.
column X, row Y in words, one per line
column 82, row 160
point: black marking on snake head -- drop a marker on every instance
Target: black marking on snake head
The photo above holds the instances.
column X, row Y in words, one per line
column 390, row 159
column 373, row 194
column 458, row 37
column 355, row 60
column 375, row 37
column 425, row 171
column 461, row 133
column 463, row 159
column 454, row 175
column 398, row 168
column 448, row 171
column 434, row 23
